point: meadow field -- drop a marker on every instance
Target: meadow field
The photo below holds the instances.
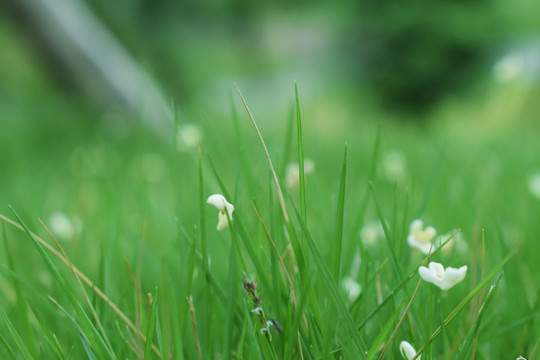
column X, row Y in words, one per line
column 111, row 249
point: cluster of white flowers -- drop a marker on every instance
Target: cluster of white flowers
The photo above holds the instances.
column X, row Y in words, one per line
column 435, row 273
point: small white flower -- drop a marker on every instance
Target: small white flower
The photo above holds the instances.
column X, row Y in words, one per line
column 188, row 136
column 449, row 246
column 520, row 358
column 258, row 310
column 352, row 287
column 509, row 67
column 292, row 173
column 421, row 239
column 407, row 350
column 64, row 227
column 443, row 278
column 393, row 166
column 534, row 185
column 267, row 328
column 371, row 232
column 222, row 205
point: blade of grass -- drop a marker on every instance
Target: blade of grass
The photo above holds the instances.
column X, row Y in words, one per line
column 276, row 182
column 230, row 310
column 207, row 297
column 480, row 298
column 469, row 342
column 387, row 237
column 300, row 144
column 151, row 328
column 338, row 234
column 194, row 324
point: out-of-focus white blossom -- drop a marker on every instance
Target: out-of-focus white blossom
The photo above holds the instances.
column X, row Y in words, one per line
column 534, row 185
column 292, row 173
column 441, row 277
column 508, row 68
column 407, row 350
column 371, row 233
column 393, row 166
column 352, row 287
column 222, row 205
column 64, row 227
column 188, row 136
column 421, row 238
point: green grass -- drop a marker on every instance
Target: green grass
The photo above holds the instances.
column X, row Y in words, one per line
column 147, row 229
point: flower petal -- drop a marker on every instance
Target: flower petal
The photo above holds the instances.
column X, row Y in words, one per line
column 223, row 222
column 437, row 269
column 407, row 350
column 428, row 275
column 218, row 201
column 453, row 276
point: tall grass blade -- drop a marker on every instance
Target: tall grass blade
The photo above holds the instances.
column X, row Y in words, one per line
column 207, row 297
column 338, row 232
column 230, row 308
column 468, row 342
column 151, row 328
column 300, row 143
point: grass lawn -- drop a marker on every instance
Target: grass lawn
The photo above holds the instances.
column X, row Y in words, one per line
column 319, row 267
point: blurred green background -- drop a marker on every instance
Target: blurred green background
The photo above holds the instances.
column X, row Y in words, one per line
column 452, row 85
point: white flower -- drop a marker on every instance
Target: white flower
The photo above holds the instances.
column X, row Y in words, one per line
column 534, row 185
column 64, row 227
column 352, row 288
column 407, row 351
column 393, row 166
column 292, row 173
column 509, row 67
column 258, row 310
column 371, row 232
column 444, row 279
column 222, row 205
column 267, row 328
column 521, row 358
column 188, row 136
column 421, row 239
